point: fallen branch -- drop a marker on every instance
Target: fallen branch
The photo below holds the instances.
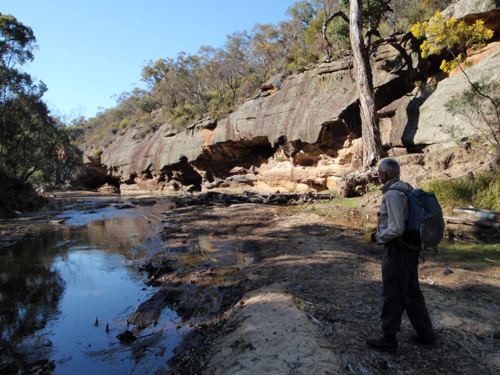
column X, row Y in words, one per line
column 482, row 214
column 478, row 223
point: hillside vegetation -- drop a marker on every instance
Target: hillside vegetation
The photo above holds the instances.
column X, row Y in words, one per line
column 214, row 81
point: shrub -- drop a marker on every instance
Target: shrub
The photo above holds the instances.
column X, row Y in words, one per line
column 489, row 198
column 124, row 123
column 451, row 35
column 451, row 193
column 482, row 193
column 97, row 153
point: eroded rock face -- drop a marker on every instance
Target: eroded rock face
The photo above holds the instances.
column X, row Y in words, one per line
column 92, row 174
column 471, row 10
column 303, row 132
column 436, row 125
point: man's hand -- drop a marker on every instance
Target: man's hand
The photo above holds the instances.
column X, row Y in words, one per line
column 369, row 237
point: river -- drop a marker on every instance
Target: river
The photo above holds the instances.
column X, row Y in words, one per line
column 68, row 292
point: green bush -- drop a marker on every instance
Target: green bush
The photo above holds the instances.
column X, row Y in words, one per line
column 124, row 123
column 483, row 192
column 451, row 193
column 489, row 198
column 97, row 153
column 481, row 254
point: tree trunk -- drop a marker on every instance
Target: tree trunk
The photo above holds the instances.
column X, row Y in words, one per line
column 369, row 120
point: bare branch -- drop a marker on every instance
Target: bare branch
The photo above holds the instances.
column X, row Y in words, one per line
column 325, row 25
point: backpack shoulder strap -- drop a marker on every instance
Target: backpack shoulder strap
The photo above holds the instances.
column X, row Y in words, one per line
column 399, row 189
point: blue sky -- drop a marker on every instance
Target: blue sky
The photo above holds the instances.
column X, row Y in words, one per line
column 90, row 50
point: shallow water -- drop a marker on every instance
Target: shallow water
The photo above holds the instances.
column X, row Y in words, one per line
column 62, row 289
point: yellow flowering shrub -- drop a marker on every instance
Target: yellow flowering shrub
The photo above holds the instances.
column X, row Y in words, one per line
column 451, row 35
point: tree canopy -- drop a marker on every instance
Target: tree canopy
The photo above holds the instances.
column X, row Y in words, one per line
column 31, row 141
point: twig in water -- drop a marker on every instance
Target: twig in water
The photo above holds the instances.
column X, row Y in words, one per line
column 159, row 218
column 132, row 316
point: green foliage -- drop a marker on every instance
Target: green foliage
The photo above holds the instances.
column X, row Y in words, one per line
column 313, row 33
column 374, row 11
column 482, row 193
column 295, row 64
column 489, row 197
column 147, row 104
column 346, row 202
column 31, row 141
column 478, row 254
column 17, row 42
column 124, row 124
column 182, row 116
column 451, row 193
column 340, row 29
column 302, row 11
column 97, row 153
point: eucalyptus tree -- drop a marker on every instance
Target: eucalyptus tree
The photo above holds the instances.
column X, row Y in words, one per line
column 266, row 49
column 160, row 77
column 29, row 137
column 16, row 48
column 364, row 80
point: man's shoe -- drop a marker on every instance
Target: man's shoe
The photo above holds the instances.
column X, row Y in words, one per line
column 426, row 341
column 382, row 344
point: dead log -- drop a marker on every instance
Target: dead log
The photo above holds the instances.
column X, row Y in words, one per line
column 477, row 223
column 482, row 214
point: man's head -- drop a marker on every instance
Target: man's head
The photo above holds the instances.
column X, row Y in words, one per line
column 388, row 169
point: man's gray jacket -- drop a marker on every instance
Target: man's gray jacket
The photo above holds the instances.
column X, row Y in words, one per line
column 393, row 212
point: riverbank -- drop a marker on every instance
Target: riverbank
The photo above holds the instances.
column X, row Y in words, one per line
column 288, row 290
column 312, row 296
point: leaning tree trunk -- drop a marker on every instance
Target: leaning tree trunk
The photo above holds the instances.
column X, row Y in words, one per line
column 369, row 121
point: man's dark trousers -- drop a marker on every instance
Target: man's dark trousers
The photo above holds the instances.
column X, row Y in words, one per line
column 401, row 291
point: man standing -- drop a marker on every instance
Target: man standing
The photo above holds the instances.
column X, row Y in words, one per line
column 401, row 289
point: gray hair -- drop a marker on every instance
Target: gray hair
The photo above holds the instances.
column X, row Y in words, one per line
column 390, row 167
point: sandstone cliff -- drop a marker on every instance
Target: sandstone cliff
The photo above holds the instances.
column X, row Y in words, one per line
column 303, row 131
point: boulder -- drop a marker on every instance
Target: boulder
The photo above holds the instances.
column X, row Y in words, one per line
column 434, row 125
column 108, row 188
column 470, row 9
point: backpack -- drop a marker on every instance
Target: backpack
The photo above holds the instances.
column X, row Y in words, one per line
column 425, row 225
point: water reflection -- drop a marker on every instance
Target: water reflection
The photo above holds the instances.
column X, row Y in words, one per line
column 30, row 291
column 60, row 290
